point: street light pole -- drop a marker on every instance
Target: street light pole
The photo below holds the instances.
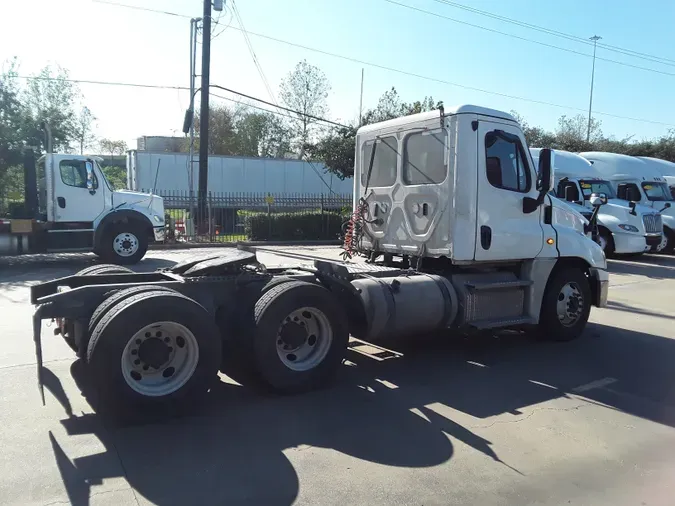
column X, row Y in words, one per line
column 595, row 40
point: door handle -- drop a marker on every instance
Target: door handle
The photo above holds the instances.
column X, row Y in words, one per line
column 485, row 237
column 61, row 201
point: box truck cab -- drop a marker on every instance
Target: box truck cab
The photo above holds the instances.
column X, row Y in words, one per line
column 634, row 180
column 71, row 206
column 666, row 168
column 621, row 229
column 458, row 193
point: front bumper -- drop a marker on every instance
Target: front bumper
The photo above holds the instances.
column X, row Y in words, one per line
column 599, row 286
column 629, row 243
column 159, row 234
column 653, row 240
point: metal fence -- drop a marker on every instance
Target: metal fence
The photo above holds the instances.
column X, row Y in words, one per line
column 236, row 217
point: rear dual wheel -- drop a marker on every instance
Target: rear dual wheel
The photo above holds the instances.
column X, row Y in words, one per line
column 152, row 350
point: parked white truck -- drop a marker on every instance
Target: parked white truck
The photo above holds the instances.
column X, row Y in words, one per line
column 622, row 229
column 634, row 180
column 459, row 232
column 666, row 168
column 70, row 206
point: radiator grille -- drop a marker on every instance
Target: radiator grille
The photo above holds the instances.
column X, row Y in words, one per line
column 652, row 223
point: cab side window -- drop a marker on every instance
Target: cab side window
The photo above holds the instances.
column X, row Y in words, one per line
column 505, row 162
column 74, row 173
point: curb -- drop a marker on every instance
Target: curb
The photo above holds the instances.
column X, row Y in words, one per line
column 173, row 246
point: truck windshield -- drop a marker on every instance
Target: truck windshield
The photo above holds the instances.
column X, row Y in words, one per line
column 657, row 191
column 589, row 186
column 107, row 183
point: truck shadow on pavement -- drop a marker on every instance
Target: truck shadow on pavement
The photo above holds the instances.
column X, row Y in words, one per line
column 241, row 447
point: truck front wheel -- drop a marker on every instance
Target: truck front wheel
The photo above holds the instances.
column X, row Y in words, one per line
column 124, row 243
column 566, row 305
column 153, row 351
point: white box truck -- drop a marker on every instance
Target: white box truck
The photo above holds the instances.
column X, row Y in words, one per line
column 70, row 206
column 635, row 180
column 460, row 233
column 622, row 229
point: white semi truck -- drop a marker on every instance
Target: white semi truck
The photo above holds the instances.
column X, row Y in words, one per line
column 70, row 206
column 666, row 168
column 636, row 181
column 622, row 229
column 459, row 232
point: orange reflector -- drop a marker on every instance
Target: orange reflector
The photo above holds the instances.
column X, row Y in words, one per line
column 549, row 241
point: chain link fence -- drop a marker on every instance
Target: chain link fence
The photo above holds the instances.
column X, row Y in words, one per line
column 236, row 217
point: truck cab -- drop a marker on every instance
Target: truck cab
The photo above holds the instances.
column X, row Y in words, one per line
column 622, row 228
column 666, row 168
column 458, row 191
column 636, row 181
column 76, row 209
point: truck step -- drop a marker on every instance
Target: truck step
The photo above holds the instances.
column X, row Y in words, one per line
column 504, row 322
column 499, row 285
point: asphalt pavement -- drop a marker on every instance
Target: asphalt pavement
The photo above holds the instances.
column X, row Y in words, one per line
column 487, row 420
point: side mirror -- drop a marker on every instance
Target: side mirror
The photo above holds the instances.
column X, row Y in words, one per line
column 90, row 177
column 598, row 199
column 632, row 206
column 665, row 206
column 569, row 194
column 545, row 175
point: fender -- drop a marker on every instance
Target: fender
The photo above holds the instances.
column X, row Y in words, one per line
column 121, row 216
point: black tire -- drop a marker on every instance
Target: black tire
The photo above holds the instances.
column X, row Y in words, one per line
column 104, row 269
column 113, row 299
column 669, row 248
column 271, row 310
column 550, row 326
column 105, row 351
column 111, row 235
column 606, row 235
column 93, row 270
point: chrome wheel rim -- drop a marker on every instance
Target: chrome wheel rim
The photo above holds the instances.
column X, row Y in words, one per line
column 160, row 358
column 602, row 241
column 570, row 304
column 663, row 244
column 125, row 244
column 304, row 339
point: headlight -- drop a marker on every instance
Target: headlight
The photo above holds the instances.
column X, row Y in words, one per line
column 628, row 228
column 159, row 219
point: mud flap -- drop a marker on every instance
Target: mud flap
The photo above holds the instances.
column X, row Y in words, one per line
column 37, row 330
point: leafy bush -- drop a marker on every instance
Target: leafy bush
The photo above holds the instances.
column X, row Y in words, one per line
column 293, row 226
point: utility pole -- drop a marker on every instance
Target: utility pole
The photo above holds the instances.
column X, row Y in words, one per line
column 361, row 99
column 204, row 119
column 595, row 40
column 189, row 123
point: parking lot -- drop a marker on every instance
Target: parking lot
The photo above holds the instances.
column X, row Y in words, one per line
column 488, row 420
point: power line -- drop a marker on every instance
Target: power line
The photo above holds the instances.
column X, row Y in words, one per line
column 185, row 88
column 629, row 52
column 145, row 9
column 413, row 74
column 310, row 116
column 256, row 62
column 552, row 46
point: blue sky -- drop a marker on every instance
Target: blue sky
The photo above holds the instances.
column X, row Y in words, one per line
column 104, row 42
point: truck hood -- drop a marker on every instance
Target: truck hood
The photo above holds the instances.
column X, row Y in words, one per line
column 144, row 202
column 567, row 214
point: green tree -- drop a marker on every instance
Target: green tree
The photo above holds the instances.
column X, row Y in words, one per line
column 305, row 90
column 83, row 132
column 112, row 147
column 116, row 176
column 49, row 97
column 11, row 121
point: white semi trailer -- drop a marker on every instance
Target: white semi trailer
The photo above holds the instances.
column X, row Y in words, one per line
column 635, row 180
column 623, row 229
column 459, row 232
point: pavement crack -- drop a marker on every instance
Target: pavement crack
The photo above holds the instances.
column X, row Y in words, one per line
column 530, row 415
column 102, row 492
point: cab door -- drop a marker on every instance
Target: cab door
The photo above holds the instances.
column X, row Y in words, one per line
column 505, row 177
column 79, row 195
